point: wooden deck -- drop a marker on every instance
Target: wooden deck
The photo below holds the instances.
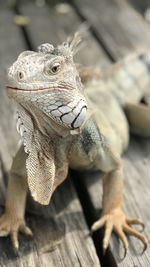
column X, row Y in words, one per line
column 61, row 230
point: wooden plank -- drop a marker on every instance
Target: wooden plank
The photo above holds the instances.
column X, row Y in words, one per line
column 136, row 199
column 141, row 6
column 47, row 25
column 60, row 232
column 57, row 28
column 116, row 24
column 60, row 235
column 92, row 184
column 136, row 159
column 9, row 49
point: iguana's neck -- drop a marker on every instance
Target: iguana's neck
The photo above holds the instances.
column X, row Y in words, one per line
column 45, row 124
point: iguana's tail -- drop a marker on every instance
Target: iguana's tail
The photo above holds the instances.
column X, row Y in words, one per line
column 128, row 80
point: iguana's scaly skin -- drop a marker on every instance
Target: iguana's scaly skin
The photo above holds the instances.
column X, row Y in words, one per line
column 61, row 128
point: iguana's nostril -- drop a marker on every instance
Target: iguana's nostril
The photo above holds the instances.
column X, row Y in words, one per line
column 20, row 75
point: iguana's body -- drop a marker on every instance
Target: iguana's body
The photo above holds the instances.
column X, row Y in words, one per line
column 126, row 84
column 92, row 139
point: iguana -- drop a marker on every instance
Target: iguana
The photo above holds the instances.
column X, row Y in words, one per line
column 64, row 123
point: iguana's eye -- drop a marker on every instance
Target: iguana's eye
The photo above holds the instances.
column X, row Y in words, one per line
column 55, row 68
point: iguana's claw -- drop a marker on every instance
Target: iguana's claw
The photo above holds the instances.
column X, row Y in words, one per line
column 135, row 221
column 12, row 226
column 117, row 221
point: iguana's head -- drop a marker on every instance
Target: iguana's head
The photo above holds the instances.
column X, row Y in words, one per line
column 48, row 80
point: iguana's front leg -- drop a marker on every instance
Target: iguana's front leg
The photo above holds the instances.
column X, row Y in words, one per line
column 113, row 216
column 12, row 221
column 95, row 149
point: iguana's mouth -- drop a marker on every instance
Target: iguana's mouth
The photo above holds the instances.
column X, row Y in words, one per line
column 64, row 108
column 15, row 89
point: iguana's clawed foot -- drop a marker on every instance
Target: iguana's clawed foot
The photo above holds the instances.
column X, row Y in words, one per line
column 117, row 221
column 12, row 226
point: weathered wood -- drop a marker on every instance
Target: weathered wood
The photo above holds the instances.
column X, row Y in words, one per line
column 10, row 47
column 60, row 235
column 117, row 24
column 60, row 232
column 57, row 28
column 47, row 25
column 141, row 6
column 136, row 199
column 116, row 52
column 93, row 185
